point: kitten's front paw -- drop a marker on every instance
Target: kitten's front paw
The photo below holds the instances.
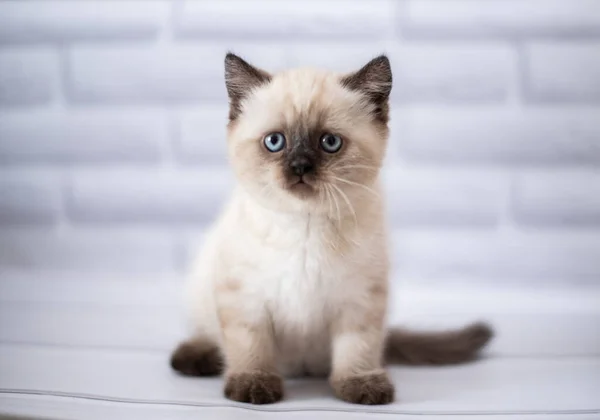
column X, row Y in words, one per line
column 370, row 389
column 254, row 387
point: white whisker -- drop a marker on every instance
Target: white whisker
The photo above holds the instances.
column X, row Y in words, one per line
column 325, row 198
column 370, row 190
column 329, row 201
column 347, row 200
column 342, row 167
column 335, row 201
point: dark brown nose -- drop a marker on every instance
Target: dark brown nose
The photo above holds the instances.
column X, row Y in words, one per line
column 301, row 166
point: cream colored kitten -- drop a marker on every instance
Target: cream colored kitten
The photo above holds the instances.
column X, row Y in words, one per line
column 293, row 277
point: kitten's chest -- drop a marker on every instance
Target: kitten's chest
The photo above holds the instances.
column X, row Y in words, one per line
column 295, row 268
column 300, row 271
column 298, row 281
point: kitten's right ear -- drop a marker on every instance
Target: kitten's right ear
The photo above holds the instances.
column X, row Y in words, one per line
column 241, row 78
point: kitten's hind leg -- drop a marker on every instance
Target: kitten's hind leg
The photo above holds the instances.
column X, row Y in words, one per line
column 197, row 357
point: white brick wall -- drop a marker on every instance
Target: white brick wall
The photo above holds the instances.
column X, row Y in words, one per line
column 564, row 70
column 138, row 195
column 444, row 198
column 199, row 139
column 508, row 135
column 502, row 18
column 42, row 21
column 140, row 73
column 57, row 137
column 27, row 76
column 357, row 19
column 112, row 123
column 568, row 197
column 30, row 197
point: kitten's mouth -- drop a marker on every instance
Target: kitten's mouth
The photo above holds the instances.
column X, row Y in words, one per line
column 302, row 185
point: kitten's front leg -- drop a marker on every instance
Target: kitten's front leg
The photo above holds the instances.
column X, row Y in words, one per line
column 251, row 375
column 357, row 375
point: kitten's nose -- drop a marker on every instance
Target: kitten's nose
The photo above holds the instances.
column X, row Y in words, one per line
column 301, row 166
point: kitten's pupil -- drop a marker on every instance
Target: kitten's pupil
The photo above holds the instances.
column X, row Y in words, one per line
column 275, row 140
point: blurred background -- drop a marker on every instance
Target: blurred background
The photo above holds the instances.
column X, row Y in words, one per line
column 112, row 149
column 112, row 165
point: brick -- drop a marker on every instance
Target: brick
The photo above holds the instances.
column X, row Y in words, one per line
column 499, row 135
column 422, row 71
column 568, row 71
column 347, row 57
column 97, row 250
column 156, row 74
column 58, row 21
column 565, row 197
column 202, row 135
column 429, row 72
column 81, row 136
column 501, row 17
column 27, row 77
column 148, row 195
column 29, row 197
column 431, row 197
column 290, row 19
column 482, row 256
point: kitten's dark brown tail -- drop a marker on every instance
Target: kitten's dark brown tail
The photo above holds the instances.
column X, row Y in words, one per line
column 436, row 348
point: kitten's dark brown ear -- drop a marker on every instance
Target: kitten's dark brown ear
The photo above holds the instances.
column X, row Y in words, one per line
column 374, row 80
column 240, row 79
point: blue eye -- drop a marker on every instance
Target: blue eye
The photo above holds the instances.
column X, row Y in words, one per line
column 331, row 143
column 274, row 142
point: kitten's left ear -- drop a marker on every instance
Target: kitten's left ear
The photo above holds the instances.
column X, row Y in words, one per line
column 240, row 79
column 374, row 80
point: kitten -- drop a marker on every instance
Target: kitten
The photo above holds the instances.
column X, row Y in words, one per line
column 293, row 277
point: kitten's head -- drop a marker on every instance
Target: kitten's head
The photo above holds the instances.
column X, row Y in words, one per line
column 307, row 139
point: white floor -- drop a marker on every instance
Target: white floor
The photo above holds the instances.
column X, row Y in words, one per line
column 71, row 351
